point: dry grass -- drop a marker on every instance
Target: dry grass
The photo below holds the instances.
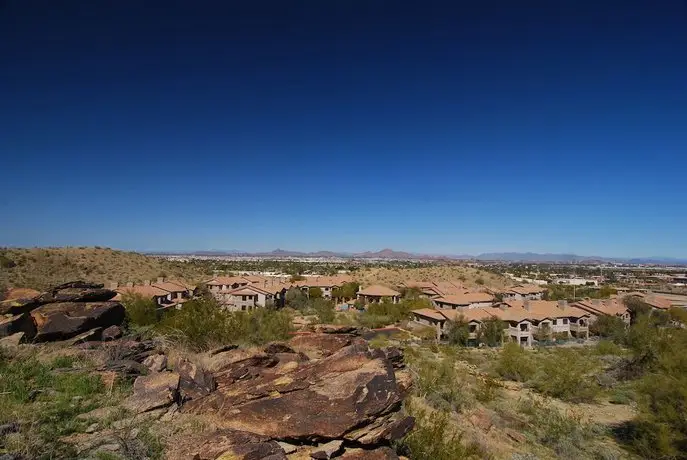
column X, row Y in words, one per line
column 469, row 276
column 39, row 268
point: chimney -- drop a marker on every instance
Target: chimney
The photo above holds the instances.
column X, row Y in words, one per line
column 146, row 282
column 130, row 284
column 526, row 304
column 160, row 279
column 113, row 285
column 562, row 304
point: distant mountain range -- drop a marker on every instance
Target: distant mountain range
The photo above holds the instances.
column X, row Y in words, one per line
column 391, row 254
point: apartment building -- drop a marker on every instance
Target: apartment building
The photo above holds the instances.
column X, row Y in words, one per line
column 601, row 307
column 378, row 293
column 465, row 300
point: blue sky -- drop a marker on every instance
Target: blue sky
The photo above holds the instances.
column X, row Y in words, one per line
column 428, row 126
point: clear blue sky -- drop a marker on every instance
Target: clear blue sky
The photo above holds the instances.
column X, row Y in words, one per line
column 439, row 127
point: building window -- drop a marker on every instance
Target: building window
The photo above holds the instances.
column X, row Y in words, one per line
column 243, row 297
column 565, row 320
column 555, row 322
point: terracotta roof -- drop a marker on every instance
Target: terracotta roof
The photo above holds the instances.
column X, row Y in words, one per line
column 248, row 290
column 465, row 298
column 379, row 291
column 654, row 300
column 146, row 291
column 471, row 314
column 418, row 284
column 323, row 281
column 430, row 313
column 227, row 280
column 170, row 286
column 612, row 307
column 527, row 289
column 450, row 287
column 540, row 309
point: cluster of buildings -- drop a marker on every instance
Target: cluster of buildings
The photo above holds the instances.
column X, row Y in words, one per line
column 165, row 293
column 526, row 316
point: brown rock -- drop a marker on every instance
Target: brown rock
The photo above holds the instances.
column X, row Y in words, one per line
column 383, row 430
column 515, row 435
column 12, row 340
column 317, row 346
column 18, row 323
column 93, row 335
column 153, row 391
column 228, row 444
column 194, row 382
column 111, row 333
column 125, row 367
column 382, row 453
column 338, row 329
column 278, row 347
column 156, row 363
column 76, row 295
column 327, row 450
column 482, row 419
column 222, row 349
column 17, row 306
column 320, row 400
column 237, row 359
column 61, row 321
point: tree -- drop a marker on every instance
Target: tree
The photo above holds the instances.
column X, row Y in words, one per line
column 491, row 332
column 314, row 292
column 346, row 291
column 296, row 299
column 458, row 331
column 544, row 333
column 324, row 309
column 609, row 327
column 637, row 307
column 203, row 291
column 140, row 311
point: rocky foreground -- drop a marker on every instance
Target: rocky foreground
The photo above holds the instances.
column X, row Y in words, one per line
column 323, row 394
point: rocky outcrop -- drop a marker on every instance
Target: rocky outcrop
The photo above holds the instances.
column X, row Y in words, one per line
column 153, row 391
column 347, row 397
column 17, row 323
column 64, row 312
column 60, row 321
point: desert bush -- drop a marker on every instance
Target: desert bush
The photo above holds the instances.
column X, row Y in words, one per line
column 433, row 438
column 140, row 311
column 566, row 434
column 315, row 293
column 491, row 332
column 609, row 327
column 566, row 374
column 660, row 430
column 324, row 309
column 487, row 389
column 514, row 363
column 201, row 324
column 458, row 331
column 440, row 383
column 607, row 347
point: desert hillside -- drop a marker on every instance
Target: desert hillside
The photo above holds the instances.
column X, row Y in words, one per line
column 39, row 268
column 470, row 277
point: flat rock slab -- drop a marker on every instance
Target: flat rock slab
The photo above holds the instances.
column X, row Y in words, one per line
column 382, row 453
column 317, row 346
column 315, row 401
column 17, row 323
column 13, row 340
column 327, row 450
column 64, row 320
column 153, row 391
column 156, row 363
column 230, row 445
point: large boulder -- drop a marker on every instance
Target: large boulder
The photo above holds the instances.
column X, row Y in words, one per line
column 153, row 391
column 17, row 306
column 76, row 291
column 194, row 382
column 311, row 402
column 228, row 444
column 64, row 320
column 17, row 323
column 317, row 346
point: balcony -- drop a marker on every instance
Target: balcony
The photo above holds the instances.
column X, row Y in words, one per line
column 574, row 327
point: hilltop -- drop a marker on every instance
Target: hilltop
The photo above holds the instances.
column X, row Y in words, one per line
column 39, row 268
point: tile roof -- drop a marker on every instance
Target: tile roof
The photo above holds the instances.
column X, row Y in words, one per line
column 146, row 291
column 377, row 290
column 466, row 298
column 612, row 307
column 527, row 289
column 227, row 280
column 541, row 309
column 430, row 313
column 170, row 286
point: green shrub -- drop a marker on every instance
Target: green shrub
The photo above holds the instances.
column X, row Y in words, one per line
column 440, row 383
column 566, row 374
column 201, row 324
column 140, row 311
column 315, row 293
column 458, row 331
column 324, row 309
column 433, row 438
column 514, row 363
column 487, row 389
column 606, row 347
column 491, row 332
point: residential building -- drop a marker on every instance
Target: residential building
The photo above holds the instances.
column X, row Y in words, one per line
column 464, row 301
column 326, row 283
column 378, row 293
column 608, row 307
column 522, row 292
column 160, row 296
column 226, row 283
column 244, row 298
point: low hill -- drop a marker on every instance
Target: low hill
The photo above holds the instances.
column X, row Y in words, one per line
column 39, row 268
